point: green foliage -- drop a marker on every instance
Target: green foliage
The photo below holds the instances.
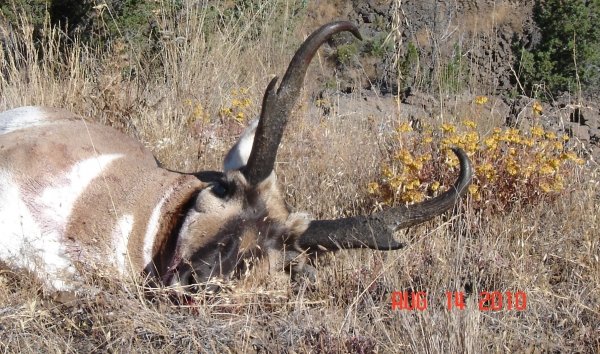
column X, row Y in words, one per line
column 111, row 19
column 132, row 20
column 452, row 74
column 35, row 10
column 447, row 74
column 569, row 53
column 345, row 53
column 408, row 66
column 378, row 46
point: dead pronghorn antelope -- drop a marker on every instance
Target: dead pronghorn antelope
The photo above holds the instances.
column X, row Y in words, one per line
column 76, row 195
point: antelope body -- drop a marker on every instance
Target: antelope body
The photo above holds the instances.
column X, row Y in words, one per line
column 76, row 196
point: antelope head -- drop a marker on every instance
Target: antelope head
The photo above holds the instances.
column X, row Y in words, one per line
column 241, row 214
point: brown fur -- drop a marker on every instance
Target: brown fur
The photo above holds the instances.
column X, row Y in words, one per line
column 132, row 185
column 200, row 233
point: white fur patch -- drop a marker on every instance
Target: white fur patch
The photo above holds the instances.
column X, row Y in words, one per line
column 153, row 226
column 238, row 155
column 33, row 226
column 21, row 118
column 120, row 238
column 24, row 244
column 59, row 199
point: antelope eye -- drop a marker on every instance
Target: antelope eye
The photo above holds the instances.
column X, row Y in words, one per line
column 220, row 189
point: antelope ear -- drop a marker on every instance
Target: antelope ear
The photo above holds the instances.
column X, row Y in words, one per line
column 238, row 155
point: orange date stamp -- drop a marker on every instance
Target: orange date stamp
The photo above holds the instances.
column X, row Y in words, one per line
column 455, row 300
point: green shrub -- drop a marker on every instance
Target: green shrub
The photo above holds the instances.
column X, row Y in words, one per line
column 345, row 53
column 408, row 66
column 94, row 24
column 378, row 46
column 452, row 74
column 35, row 10
column 568, row 56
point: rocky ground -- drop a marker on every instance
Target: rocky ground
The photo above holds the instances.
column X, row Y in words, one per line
column 477, row 37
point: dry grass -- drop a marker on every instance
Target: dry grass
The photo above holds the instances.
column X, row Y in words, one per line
column 550, row 250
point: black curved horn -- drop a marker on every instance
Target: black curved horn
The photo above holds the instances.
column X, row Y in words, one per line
column 277, row 105
column 375, row 231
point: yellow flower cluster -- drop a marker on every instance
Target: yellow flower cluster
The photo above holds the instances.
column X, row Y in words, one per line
column 197, row 114
column 404, row 128
column 239, row 105
column 481, row 99
column 511, row 165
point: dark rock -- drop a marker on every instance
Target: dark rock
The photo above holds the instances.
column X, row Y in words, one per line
column 577, row 117
column 520, row 111
column 421, row 100
column 580, row 132
column 595, row 136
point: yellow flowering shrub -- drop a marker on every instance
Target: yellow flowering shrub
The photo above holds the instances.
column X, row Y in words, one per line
column 228, row 118
column 511, row 165
column 238, row 108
